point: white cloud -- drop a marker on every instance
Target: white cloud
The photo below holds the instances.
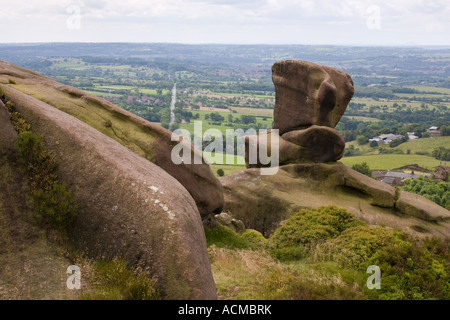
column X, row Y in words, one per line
column 239, row 21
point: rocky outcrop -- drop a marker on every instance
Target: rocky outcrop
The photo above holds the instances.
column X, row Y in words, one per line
column 227, row 220
column 309, row 94
column 128, row 207
column 321, row 184
column 441, row 173
column 30, row 266
column 146, row 139
column 310, row 100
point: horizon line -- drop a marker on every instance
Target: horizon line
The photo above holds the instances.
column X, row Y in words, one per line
column 225, row 44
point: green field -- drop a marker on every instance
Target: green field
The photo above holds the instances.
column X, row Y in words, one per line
column 392, row 161
column 430, row 89
column 425, row 145
column 227, row 169
column 225, row 124
column 102, row 94
column 237, row 160
column 253, row 111
column 370, row 102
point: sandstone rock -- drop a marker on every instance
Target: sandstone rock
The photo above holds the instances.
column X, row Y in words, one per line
column 128, row 207
column 312, row 185
column 146, row 139
column 309, row 94
column 382, row 194
column 441, row 173
column 7, row 132
column 314, row 144
column 31, row 268
column 230, row 222
column 414, row 205
column 319, row 144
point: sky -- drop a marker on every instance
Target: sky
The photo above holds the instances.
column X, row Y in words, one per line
column 321, row 22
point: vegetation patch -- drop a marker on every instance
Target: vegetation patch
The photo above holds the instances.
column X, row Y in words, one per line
column 223, row 237
column 306, row 228
column 438, row 192
column 113, row 280
column 324, row 253
column 52, row 200
column 410, row 268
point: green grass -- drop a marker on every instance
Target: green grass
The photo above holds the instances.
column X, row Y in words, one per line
column 223, row 127
column 114, row 280
column 237, row 160
column 430, row 89
column 253, row 111
column 227, row 169
column 391, row 161
column 425, row 145
column 372, row 102
column 102, row 94
column 223, row 237
column 362, row 118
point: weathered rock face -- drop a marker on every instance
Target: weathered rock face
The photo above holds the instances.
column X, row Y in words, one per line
column 441, row 173
column 314, row 144
column 230, row 222
column 322, row 184
column 30, row 266
column 146, row 139
column 310, row 100
column 309, row 94
column 128, row 207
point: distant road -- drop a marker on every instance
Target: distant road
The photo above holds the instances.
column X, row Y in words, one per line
column 172, row 105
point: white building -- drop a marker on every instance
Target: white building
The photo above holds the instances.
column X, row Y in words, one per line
column 386, row 138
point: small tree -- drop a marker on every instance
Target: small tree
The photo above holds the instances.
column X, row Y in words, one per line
column 362, row 168
column 362, row 140
column 220, row 172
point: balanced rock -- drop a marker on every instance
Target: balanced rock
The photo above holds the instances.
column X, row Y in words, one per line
column 310, row 100
column 309, row 94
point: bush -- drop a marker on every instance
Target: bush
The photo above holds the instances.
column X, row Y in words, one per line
column 438, row 192
column 220, row 172
column 390, row 151
column 52, row 201
column 410, row 268
column 441, row 153
column 255, row 238
column 29, row 146
column 362, row 140
column 223, row 237
column 354, row 247
column 362, row 168
column 397, row 142
column 351, row 151
column 306, row 228
column 414, row 269
column 54, row 207
column 289, row 253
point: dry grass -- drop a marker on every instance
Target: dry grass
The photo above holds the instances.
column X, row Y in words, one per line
column 254, row 275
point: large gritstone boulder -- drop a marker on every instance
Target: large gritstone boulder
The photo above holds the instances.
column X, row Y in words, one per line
column 127, row 207
column 309, row 101
column 144, row 138
column 309, row 94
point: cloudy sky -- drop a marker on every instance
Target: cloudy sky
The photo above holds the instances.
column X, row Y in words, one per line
column 348, row 22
